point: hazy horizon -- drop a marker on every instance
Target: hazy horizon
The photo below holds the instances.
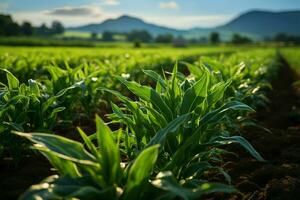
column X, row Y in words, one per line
column 188, row 14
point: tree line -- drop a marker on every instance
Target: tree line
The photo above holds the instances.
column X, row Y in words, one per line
column 145, row 37
column 213, row 38
column 8, row 27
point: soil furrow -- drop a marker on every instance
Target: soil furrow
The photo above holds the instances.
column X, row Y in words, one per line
column 279, row 177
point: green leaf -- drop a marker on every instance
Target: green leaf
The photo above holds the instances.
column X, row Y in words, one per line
column 63, row 166
column 148, row 94
column 75, row 85
column 109, row 150
column 62, row 147
column 194, row 70
column 166, row 181
column 140, row 171
column 243, row 142
column 216, row 115
column 217, row 92
column 117, row 94
column 161, row 135
column 118, row 112
column 56, row 110
column 13, row 82
column 90, row 145
column 155, row 76
column 56, row 72
column 175, row 88
column 192, row 96
column 55, row 187
column 34, row 88
column 196, row 168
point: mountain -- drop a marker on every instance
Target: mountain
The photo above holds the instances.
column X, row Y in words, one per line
column 256, row 24
column 265, row 23
column 127, row 23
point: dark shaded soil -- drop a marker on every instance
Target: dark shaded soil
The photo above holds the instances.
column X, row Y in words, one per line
column 16, row 178
column 279, row 177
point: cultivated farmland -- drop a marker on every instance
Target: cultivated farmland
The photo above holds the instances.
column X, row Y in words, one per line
column 149, row 123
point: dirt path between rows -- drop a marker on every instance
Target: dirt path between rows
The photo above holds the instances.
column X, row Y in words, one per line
column 279, row 177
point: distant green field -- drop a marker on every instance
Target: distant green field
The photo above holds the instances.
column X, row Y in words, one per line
column 87, row 35
column 163, row 50
column 32, row 62
column 75, row 34
column 292, row 56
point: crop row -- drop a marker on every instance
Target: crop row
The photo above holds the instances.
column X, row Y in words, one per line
column 31, row 63
column 49, row 88
column 172, row 127
column 291, row 56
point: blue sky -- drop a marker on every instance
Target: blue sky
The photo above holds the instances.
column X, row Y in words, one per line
column 174, row 13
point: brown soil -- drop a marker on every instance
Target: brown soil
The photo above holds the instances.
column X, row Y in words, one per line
column 279, row 177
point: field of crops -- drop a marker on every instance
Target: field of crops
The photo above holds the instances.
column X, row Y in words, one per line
column 149, row 123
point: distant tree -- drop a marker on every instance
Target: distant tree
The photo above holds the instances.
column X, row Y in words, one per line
column 203, row 40
column 43, row 30
column 179, row 42
column 137, row 44
column 27, row 29
column 282, row 37
column 8, row 27
column 12, row 29
column 139, row 36
column 193, row 41
column 167, row 38
column 4, row 20
column 214, row 38
column 94, row 36
column 57, row 27
column 108, row 36
column 238, row 39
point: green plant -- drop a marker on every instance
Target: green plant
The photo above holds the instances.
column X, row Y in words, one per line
column 187, row 117
column 26, row 108
column 93, row 171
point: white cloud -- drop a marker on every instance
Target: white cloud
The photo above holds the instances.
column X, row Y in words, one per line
column 39, row 17
column 111, row 2
column 75, row 11
column 172, row 5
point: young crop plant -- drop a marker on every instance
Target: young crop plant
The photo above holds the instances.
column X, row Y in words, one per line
column 250, row 73
column 84, row 98
column 26, row 107
column 188, row 117
column 95, row 170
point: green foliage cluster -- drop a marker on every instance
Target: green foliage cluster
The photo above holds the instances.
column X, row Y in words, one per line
column 69, row 90
column 139, row 36
column 239, row 39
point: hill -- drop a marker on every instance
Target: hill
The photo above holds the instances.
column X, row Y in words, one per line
column 265, row 23
column 127, row 23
